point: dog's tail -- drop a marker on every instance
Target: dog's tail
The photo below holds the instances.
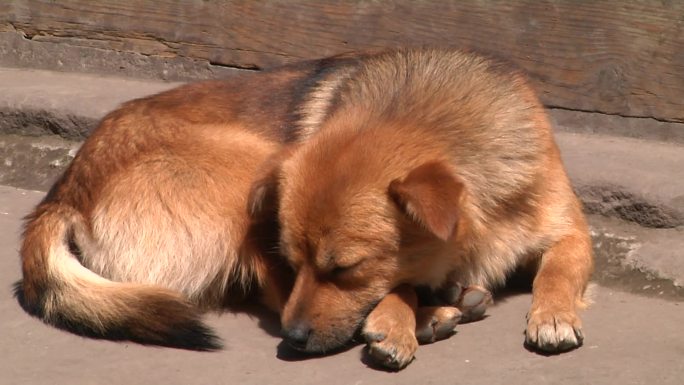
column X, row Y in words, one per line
column 61, row 291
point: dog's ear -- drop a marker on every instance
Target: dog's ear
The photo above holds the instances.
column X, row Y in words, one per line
column 263, row 195
column 430, row 195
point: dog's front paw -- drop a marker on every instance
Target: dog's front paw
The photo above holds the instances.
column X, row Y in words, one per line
column 553, row 331
column 434, row 323
column 390, row 343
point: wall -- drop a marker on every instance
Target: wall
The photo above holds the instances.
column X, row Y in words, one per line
column 613, row 58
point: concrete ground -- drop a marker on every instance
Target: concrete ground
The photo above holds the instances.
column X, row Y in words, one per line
column 633, row 190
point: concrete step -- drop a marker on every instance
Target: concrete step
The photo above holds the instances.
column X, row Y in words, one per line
column 636, row 180
column 36, row 102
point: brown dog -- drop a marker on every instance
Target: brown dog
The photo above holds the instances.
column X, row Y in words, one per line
column 149, row 225
column 419, row 167
column 428, row 166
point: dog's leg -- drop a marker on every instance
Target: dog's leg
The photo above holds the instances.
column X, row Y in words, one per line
column 390, row 329
column 396, row 326
column 558, row 289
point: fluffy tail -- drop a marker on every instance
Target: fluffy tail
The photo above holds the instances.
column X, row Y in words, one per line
column 62, row 292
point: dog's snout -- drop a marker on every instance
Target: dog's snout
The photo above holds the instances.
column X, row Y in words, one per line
column 297, row 335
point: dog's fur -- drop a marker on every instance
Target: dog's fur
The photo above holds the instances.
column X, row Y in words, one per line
column 415, row 167
column 433, row 166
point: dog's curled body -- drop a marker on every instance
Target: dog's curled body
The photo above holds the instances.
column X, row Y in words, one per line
column 414, row 166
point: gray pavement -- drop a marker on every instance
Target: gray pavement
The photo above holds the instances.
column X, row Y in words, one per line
column 631, row 339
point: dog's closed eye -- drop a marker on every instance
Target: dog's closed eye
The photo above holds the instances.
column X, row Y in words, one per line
column 341, row 271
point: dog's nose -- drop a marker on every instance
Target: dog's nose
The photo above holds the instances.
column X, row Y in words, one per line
column 297, row 335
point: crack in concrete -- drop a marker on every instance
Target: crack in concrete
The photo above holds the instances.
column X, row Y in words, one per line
column 621, row 115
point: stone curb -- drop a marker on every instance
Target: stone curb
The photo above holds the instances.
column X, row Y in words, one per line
column 36, row 102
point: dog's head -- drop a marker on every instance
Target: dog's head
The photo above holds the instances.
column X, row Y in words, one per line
column 355, row 223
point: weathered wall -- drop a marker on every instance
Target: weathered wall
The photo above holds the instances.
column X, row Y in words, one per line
column 613, row 57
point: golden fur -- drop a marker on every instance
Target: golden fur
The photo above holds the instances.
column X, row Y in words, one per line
column 437, row 166
column 373, row 173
